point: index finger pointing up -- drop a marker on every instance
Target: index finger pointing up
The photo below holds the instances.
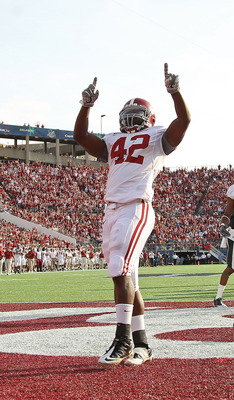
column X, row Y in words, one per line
column 95, row 82
column 165, row 69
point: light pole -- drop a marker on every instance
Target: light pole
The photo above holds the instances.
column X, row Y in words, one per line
column 103, row 115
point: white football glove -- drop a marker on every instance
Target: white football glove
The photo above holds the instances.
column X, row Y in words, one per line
column 89, row 96
column 171, row 81
column 225, row 231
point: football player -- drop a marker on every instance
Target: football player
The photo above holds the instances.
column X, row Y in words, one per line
column 227, row 222
column 135, row 155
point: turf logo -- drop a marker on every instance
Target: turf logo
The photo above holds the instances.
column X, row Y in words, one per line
column 87, row 331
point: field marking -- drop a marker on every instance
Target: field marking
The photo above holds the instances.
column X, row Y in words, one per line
column 93, row 339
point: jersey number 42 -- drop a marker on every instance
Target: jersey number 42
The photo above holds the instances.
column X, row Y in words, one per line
column 126, row 154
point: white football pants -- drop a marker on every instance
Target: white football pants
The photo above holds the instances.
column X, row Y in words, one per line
column 126, row 228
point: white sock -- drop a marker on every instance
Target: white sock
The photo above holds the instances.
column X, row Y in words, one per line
column 220, row 291
column 124, row 313
column 138, row 323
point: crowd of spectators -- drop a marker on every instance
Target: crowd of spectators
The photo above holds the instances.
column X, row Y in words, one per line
column 188, row 204
column 69, row 200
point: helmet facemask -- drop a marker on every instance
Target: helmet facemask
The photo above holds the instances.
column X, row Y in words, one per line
column 135, row 117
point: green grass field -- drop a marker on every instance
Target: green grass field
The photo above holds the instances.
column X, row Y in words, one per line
column 168, row 283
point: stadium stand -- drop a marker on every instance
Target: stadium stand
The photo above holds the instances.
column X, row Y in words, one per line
column 70, row 200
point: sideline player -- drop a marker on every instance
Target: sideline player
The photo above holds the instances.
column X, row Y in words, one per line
column 227, row 222
column 135, row 155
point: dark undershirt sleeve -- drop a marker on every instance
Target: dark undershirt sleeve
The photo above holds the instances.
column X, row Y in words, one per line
column 104, row 156
column 167, row 147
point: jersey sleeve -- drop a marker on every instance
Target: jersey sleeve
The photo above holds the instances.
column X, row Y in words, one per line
column 230, row 192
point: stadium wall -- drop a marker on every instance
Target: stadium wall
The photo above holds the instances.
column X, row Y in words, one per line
column 22, row 223
column 16, row 154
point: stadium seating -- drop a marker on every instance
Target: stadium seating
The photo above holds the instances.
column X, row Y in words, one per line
column 188, row 204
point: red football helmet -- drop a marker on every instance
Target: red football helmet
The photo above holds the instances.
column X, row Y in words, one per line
column 137, row 114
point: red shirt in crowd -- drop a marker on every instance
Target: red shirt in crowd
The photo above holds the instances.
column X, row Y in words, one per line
column 31, row 254
column 9, row 254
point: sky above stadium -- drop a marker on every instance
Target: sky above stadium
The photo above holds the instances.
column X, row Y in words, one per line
column 52, row 49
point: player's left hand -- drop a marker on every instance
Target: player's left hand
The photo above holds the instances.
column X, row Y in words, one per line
column 89, row 96
column 171, row 81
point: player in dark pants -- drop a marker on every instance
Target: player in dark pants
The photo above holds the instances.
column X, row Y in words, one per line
column 227, row 223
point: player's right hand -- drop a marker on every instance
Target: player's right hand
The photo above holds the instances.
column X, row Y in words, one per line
column 224, row 230
column 89, row 96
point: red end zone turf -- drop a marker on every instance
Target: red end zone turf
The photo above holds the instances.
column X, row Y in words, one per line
column 58, row 378
column 41, row 377
column 203, row 335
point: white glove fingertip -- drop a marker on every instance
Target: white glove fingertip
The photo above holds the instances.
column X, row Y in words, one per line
column 96, row 95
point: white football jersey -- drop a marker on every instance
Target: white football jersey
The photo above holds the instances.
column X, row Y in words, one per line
column 134, row 160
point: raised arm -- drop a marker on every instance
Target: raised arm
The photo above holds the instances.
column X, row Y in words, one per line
column 91, row 143
column 176, row 130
